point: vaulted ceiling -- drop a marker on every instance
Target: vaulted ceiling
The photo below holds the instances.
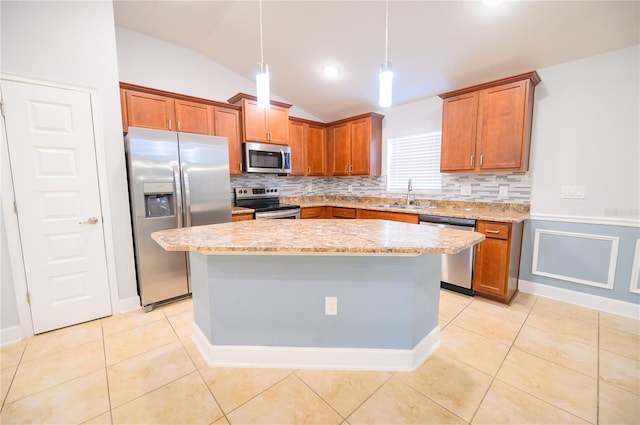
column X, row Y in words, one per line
column 434, row 46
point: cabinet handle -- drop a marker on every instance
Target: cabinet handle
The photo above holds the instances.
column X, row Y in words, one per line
column 169, row 124
column 346, row 168
column 309, row 169
column 492, row 231
column 240, row 166
column 471, row 161
column 481, row 157
column 350, row 167
column 179, row 129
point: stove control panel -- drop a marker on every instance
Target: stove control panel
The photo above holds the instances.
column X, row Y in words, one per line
column 256, row 192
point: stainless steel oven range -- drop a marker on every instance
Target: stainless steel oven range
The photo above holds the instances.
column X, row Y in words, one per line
column 266, row 203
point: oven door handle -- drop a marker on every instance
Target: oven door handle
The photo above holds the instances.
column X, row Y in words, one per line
column 294, row 212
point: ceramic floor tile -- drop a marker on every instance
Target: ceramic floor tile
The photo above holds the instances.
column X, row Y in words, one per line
column 617, row 406
column 447, row 296
column 62, row 339
column 498, row 310
column 10, row 355
column 46, row 372
column 139, row 375
column 6, row 377
column 125, row 345
column 161, row 406
column 74, row 401
column 104, row 419
column 343, row 390
column 582, row 331
column 449, row 310
column 619, row 342
column 290, row 401
column 574, row 355
column 397, row 403
column 523, row 302
column 455, row 386
column 127, row 321
column 235, row 386
column 488, row 325
column 193, row 352
column 564, row 388
column 619, row 323
column 183, row 324
column 177, row 307
column 473, row 349
column 620, row 371
column 551, row 308
column 505, row 404
column 221, row 421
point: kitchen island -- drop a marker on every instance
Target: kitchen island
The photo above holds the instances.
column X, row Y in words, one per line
column 330, row 294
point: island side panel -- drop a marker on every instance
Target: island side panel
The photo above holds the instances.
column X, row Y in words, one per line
column 387, row 302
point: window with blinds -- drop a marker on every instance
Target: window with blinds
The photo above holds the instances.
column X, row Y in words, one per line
column 416, row 157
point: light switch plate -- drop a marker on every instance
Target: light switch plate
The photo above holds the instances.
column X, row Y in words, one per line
column 465, row 190
column 349, row 188
column 331, row 306
column 572, row 192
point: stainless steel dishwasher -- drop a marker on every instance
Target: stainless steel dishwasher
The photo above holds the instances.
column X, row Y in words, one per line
column 457, row 269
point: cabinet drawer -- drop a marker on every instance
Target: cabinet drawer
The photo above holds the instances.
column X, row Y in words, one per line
column 344, row 212
column 311, row 212
column 494, row 230
column 242, row 217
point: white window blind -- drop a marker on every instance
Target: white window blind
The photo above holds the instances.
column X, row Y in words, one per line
column 416, row 157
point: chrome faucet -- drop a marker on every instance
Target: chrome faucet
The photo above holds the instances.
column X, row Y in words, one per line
column 409, row 189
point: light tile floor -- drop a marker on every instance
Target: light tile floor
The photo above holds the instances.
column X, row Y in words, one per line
column 535, row 361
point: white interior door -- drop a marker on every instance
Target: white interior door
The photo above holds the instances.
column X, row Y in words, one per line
column 53, row 164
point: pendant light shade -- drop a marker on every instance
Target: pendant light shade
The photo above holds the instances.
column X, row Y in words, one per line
column 386, row 80
column 262, row 76
column 386, row 73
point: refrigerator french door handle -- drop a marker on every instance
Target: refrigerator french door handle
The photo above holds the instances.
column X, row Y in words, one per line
column 177, row 188
column 187, row 197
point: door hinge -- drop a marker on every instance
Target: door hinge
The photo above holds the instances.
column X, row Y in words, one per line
column 28, row 299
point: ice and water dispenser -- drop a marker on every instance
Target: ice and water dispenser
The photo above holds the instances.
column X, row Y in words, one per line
column 158, row 200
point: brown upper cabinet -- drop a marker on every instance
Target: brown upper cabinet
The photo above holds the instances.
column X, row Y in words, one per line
column 308, row 147
column 488, row 127
column 270, row 125
column 355, row 145
column 158, row 109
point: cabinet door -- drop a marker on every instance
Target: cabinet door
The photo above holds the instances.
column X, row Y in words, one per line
column 502, row 121
column 316, row 151
column 193, row 117
column 278, row 125
column 150, row 111
column 227, row 124
column 360, row 147
column 297, row 134
column 341, row 149
column 255, row 121
column 491, row 265
column 385, row 215
column 459, row 124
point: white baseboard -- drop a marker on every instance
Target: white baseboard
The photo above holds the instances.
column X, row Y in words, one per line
column 317, row 357
column 10, row 335
column 128, row 304
column 607, row 305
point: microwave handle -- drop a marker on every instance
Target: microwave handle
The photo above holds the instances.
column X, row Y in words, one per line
column 283, row 160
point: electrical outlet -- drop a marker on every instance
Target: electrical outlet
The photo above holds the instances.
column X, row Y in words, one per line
column 572, row 192
column 309, row 187
column 465, row 190
column 503, row 191
column 331, row 306
column 350, row 188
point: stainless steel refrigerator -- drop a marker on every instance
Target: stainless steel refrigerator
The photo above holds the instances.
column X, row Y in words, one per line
column 175, row 180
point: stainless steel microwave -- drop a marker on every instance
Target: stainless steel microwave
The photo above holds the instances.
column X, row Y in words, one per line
column 266, row 158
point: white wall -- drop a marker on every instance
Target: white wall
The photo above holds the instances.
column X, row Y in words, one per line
column 586, row 133
column 150, row 62
column 74, row 43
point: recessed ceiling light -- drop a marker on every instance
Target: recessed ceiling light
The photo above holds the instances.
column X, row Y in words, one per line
column 330, row 71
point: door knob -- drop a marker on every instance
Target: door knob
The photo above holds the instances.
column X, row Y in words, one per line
column 90, row 220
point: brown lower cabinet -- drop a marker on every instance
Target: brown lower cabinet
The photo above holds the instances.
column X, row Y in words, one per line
column 339, row 212
column 497, row 260
column 242, row 217
column 314, row 212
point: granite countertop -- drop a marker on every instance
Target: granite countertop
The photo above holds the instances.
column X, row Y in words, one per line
column 509, row 213
column 364, row 237
column 241, row 210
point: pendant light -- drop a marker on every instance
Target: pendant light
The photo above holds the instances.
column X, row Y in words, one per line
column 386, row 73
column 262, row 76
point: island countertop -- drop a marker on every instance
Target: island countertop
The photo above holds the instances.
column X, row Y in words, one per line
column 360, row 237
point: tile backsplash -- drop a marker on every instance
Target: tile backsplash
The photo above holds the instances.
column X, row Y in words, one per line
column 483, row 187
